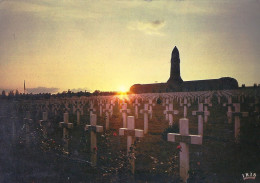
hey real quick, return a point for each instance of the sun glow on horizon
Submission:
(122, 93)
(122, 89)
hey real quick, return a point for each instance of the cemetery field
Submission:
(50, 151)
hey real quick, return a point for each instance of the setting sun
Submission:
(123, 89)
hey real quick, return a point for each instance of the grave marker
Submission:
(185, 104)
(184, 138)
(93, 128)
(166, 108)
(131, 132)
(66, 126)
(171, 112)
(145, 111)
(100, 103)
(44, 123)
(229, 105)
(206, 113)
(135, 105)
(150, 107)
(200, 113)
(238, 115)
(107, 111)
(124, 112)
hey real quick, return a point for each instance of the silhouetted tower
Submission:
(24, 87)
(175, 76)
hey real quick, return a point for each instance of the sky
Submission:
(109, 45)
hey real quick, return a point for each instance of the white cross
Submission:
(135, 105)
(185, 104)
(94, 129)
(200, 113)
(238, 115)
(55, 109)
(75, 106)
(166, 108)
(184, 138)
(107, 111)
(112, 104)
(91, 108)
(44, 122)
(67, 108)
(81, 108)
(150, 107)
(229, 105)
(78, 117)
(131, 132)
(124, 112)
(171, 112)
(66, 125)
(78, 112)
(100, 103)
(206, 105)
(145, 111)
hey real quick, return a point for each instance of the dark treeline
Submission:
(21, 96)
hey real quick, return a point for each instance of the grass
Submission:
(218, 159)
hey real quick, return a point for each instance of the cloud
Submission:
(152, 27)
(52, 10)
(42, 90)
(75, 90)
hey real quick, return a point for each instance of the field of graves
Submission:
(208, 136)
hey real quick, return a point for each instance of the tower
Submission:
(175, 77)
(24, 87)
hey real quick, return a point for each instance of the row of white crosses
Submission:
(127, 122)
(237, 115)
(130, 132)
(184, 138)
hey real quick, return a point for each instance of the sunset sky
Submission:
(56, 45)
